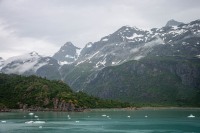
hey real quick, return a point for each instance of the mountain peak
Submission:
(33, 53)
(173, 22)
(68, 44)
(67, 53)
(128, 28)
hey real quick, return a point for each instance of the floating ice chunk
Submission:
(3, 121)
(35, 122)
(108, 116)
(145, 116)
(29, 122)
(129, 116)
(36, 116)
(191, 116)
(77, 121)
(69, 117)
(40, 126)
(39, 122)
(104, 115)
(31, 114)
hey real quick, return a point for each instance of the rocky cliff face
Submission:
(169, 80)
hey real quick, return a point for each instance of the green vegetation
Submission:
(35, 92)
(151, 81)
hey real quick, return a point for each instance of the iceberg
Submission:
(191, 116)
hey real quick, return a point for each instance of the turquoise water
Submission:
(140, 121)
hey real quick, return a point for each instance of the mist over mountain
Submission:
(32, 64)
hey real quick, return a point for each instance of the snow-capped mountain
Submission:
(173, 22)
(31, 64)
(117, 48)
(67, 54)
(131, 43)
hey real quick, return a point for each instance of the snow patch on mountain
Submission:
(64, 63)
(88, 45)
(135, 35)
(138, 57)
(105, 39)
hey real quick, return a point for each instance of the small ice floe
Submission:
(36, 116)
(39, 122)
(40, 126)
(31, 114)
(145, 116)
(35, 122)
(129, 116)
(29, 122)
(108, 116)
(103, 115)
(68, 117)
(191, 116)
(3, 121)
(24, 116)
(77, 121)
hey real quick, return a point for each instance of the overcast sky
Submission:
(45, 25)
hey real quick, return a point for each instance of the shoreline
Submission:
(109, 109)
(145, 108)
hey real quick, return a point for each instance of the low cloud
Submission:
(48, 24)
(12, 44)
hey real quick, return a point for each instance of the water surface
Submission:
(110, 121)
